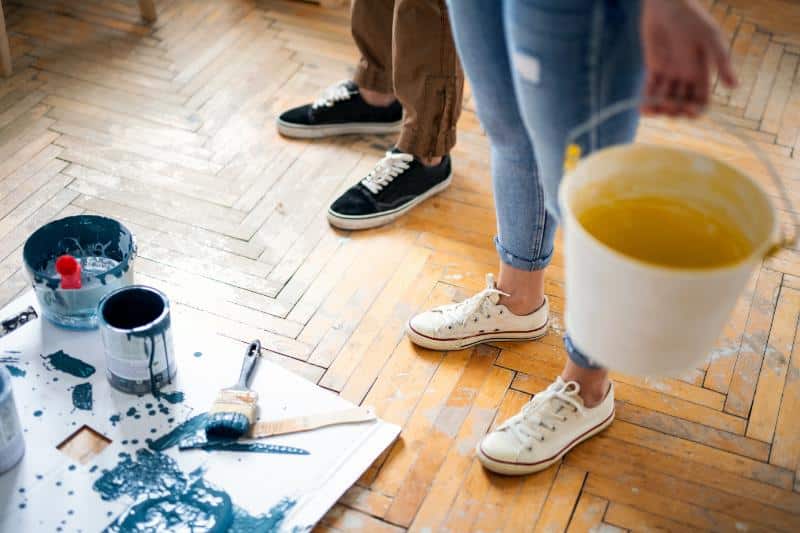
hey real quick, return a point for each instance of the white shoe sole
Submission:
(356, 222)
(300, 131)
(459, 344)
(521, 469)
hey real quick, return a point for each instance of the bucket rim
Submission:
(756, 256)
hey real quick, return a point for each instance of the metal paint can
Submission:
(12, 444)
(135, 325)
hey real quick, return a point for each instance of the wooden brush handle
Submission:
(249, 363)
(306, 423)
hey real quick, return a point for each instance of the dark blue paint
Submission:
(37, 413)
(66, 363)
(193, 430)
(82, 396)
(173, 397)
(114, 419)
(198, 354)
(167, 499)
(16, 371)
(71, 467)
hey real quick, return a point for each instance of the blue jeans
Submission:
(538, 69)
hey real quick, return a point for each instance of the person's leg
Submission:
(562, 78)
(570, 58)
(365, 104)
(371, 27)
(515, 309)
(428, 79)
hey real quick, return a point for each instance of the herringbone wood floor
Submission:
(170, 129)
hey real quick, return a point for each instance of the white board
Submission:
(48, 490)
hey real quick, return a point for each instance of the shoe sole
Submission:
(517, 469)
(355, 222)
(446, 345)
(299, 131)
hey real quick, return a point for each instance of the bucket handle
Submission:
(573, 155)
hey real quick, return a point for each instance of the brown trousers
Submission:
(407, 48)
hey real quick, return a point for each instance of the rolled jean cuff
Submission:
(521, 263)
(369, 78)
(579, 358)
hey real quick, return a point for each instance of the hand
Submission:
(682, 44)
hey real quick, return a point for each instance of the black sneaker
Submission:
(339, 111)
(396, 184)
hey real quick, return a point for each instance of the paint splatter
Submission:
(230, 445)
(131, 412)
(114, 419)
(66, 363)
(16, 371)
(198, 354)
(82, 396)
(37, 413)
(173, 397)
(166, 499)
(193, 432)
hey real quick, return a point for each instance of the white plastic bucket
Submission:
(641, 318)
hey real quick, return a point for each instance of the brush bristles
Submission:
(232, 413)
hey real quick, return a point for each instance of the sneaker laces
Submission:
(544, 411)
(335, 93)
(472, 308)
(386, 170)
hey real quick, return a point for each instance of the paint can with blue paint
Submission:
(100, 251)
(12, 444)
(135, 324)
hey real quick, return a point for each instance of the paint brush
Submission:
(235, 407)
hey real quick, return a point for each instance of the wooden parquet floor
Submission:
(170, 129)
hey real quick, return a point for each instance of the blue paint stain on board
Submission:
(82, 396)
(37, 413)
(166, 499)
(173, 397)
(198, 354)
(114, 419)
(193, 430)
(16, 371)
(66, 363)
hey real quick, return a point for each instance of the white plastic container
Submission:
(647, 319)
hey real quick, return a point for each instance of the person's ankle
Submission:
(377, 99)
(431, 161)
(521, 305)
(593, 391)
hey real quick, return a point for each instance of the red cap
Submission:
(70, 270)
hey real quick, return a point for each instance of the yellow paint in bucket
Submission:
(659, 244)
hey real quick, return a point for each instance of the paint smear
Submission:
(193, 430)
(71, 365)
(15, 371)
(166, 499)
(114, 419)
(82, 396)
(172, 397)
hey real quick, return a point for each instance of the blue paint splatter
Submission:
(37, 413)
(131, 411)
(71, 467)
(166, 499)
(173, 397)
(198, 354)
(193, 430)
(114, 419)
(16, 371)
(66, 363)
(82, 396)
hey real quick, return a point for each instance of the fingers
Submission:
(717, 51)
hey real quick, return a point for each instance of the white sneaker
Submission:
(550, 425)
(475, 320)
